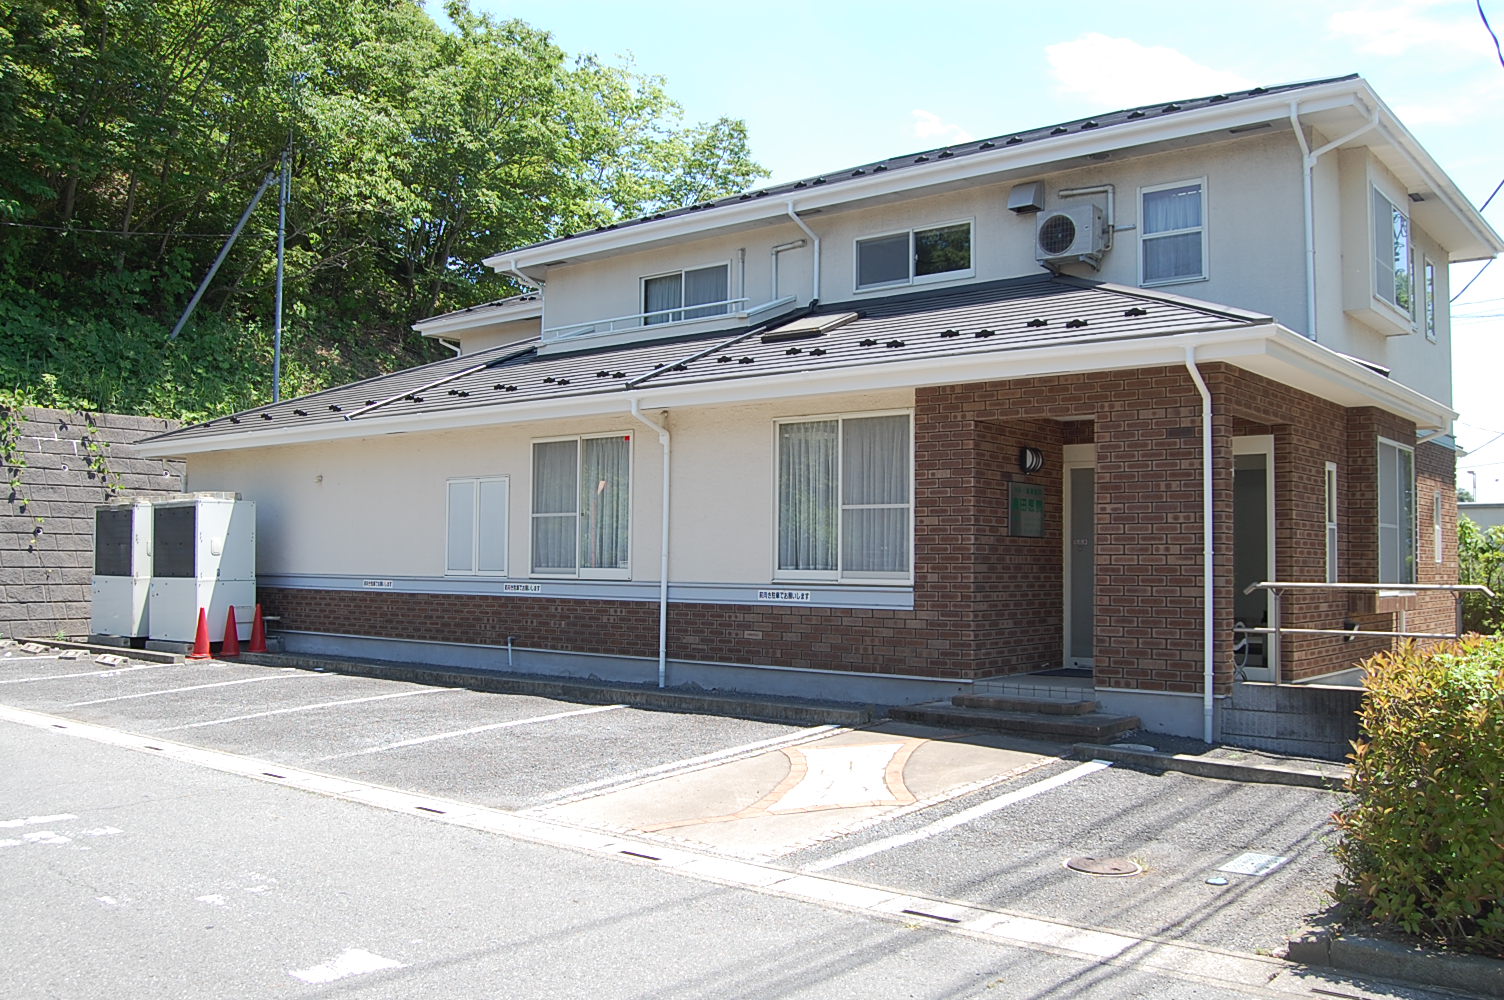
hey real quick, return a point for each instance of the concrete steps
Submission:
(1077, 721)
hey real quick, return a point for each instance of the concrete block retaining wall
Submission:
(47, 567)
(1308, 720)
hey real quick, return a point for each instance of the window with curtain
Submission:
(845, 499)
(670, 298)
(476, 541)
(1172, 233)
(582, 506)
(914, 256)
(1392, 280)
(1396, 513)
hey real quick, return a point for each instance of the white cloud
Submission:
(1394, 28)
(1120, 73)
(930, 126)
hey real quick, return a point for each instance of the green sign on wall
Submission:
(1026, 510)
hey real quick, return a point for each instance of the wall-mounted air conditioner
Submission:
(1071, 235)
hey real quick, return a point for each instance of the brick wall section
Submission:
(1435, 472)
(45, 575)
(988, 603)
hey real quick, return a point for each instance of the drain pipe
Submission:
(815, 243)
(663, 439)
(1208, 577)
(1309, 157)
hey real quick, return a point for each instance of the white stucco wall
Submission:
(377, 506)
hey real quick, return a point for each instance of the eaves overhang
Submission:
(491, 314)
(1264, 348)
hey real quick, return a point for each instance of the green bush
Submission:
(1480, 553)
(1422, 845)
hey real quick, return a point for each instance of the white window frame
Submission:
(838, 575)
(913, 279)
(580, 572)
(1400, 503)
(1381, 267)
(476, 522)
(1332, 517)
(1436, 532)
(723, 309)
(1203, 230)
(1428, 298)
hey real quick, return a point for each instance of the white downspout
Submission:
(815, 243)
(510, 268)
(1307, 175)
(663, 439)
(1208, 576)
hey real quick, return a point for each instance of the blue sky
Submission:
(826, 85)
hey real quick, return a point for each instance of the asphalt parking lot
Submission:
(953, 815)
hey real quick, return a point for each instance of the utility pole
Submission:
(286, 190)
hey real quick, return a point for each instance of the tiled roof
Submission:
(970, 148)
(984, 319)
(510, 300)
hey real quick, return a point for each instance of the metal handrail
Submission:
(633, 321)
(1275, 630)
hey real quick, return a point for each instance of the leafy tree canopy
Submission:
(134, 132)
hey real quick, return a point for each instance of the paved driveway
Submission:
(945, 814)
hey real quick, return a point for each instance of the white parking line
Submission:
(26, 659)
(467, 732)
(90, 673)
(958, 819)
(195, 687)
(351, 962)
(306, 708)
(676, 767)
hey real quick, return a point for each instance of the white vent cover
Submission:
(1072, 234)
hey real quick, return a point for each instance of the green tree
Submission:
(1480, 556)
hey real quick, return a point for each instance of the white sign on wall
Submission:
(786, 596)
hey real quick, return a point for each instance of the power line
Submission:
(110, 232)
(1490, 30)
(1475, 277)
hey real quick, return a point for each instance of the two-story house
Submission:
(1046, 401)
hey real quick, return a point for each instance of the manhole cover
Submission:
(1113, 867)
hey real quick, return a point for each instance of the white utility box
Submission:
(122, 571)
(203, 556)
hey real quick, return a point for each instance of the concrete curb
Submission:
(1212, 768)
(1393, 960)
(148, 655)
(588, 692)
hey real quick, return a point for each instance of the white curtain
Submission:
(662, 293)
(1167, 211)
(555, 494)
(605, 493)
(807, 499)
(875, 502)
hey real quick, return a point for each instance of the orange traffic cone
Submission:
(201, 639)
(231, 645)
(258, 634)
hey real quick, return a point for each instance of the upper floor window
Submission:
(1172, 233)
(477, 526)
(582, 506)
(1396, 513)
(669, 298)
(845, 498)
(1428, 305)
(1392, 278)
(914, 256)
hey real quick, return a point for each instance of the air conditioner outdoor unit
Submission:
(1069, 235)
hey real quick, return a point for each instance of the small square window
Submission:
(476, 540)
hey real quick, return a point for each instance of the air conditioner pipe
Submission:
(1208, 577)
(664, 441)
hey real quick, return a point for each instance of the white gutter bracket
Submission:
(1208, 576)
(665, 441)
